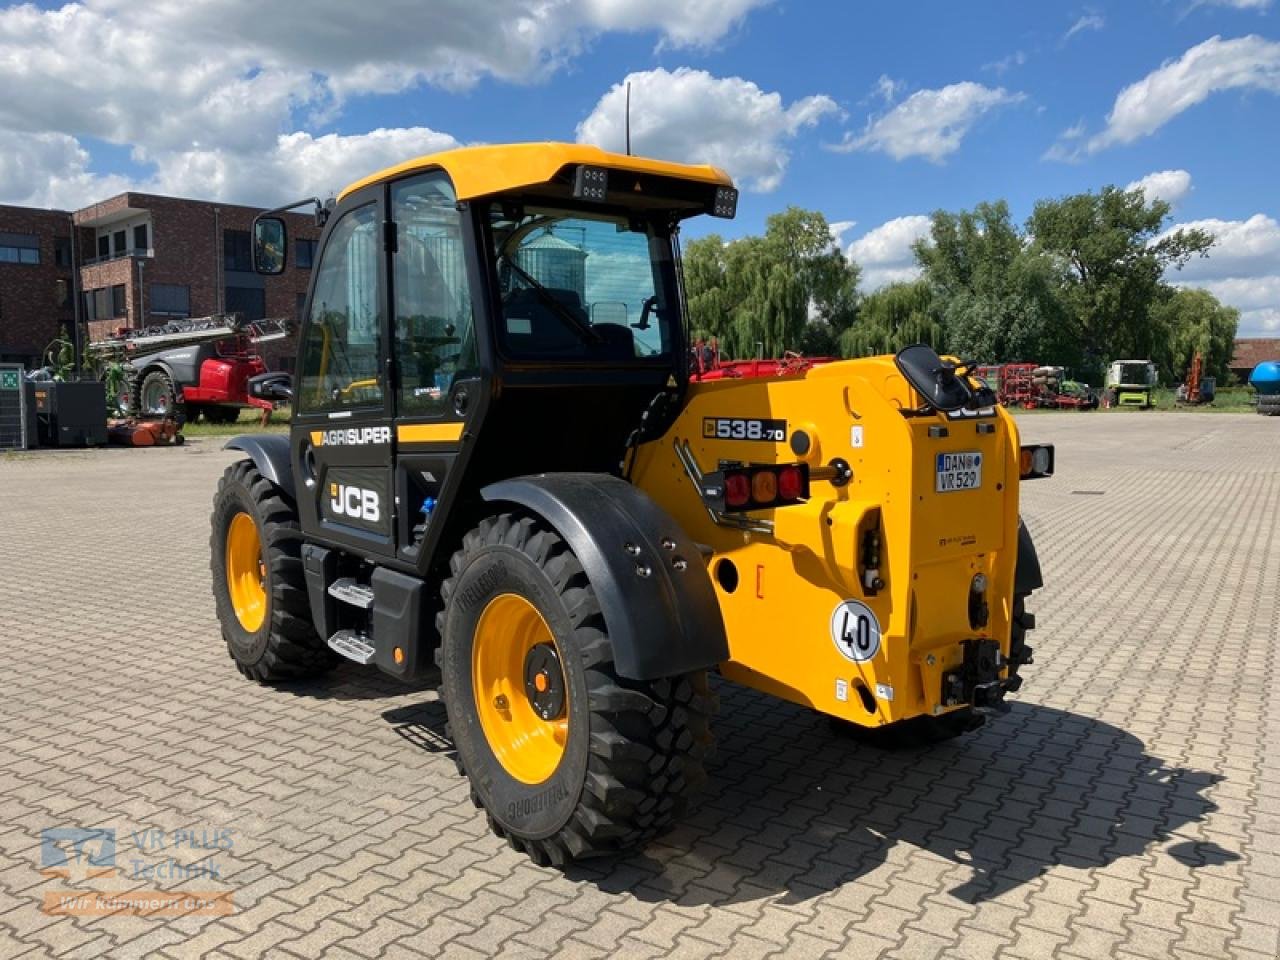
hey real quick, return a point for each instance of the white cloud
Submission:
(930, 123)
(1090, 21)
(217, 85)
(1171, 186)
(839, 228)
(887, 89)
(1242, 269)
(51, 170)
(1237, 4)
(1005, 64)
(692, 116)
(1211, 67)
(885, 253)
(298, 165)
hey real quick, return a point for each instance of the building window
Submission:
(140, 244)
(306, 253)
(118, 241)
(301, 306)
(104, 246)
(19, 248)
(102, 304)
(236, 251)
(117, 301)
(170, 300)
(62, 251)
(249, 302)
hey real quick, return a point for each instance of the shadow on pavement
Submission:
(793, 808)
(349, 681)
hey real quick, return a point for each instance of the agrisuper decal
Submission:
(356, 497)
(351, 437)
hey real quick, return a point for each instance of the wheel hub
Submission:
(519, 688)
(246, 572)
(544, 681)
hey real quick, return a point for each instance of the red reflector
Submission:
(790, 483)
(737, 490)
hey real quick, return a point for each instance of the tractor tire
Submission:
(568, 759)
(927, 731)
(259, 588)
(1269, 405)
(156, 396)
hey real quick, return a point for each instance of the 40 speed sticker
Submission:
(855, 631)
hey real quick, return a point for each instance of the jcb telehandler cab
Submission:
(497, 462)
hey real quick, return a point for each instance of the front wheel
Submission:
(259, 588)
(567, 758)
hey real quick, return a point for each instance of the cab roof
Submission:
(482, 171)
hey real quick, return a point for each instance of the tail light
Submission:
(1036, 460)
(737, 491)
(756, 486)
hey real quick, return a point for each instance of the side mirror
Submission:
(270, 245)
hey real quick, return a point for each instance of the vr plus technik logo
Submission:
(79, 855)
(89, 853)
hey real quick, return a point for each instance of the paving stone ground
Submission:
(1128, 806)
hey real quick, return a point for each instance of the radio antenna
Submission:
(628, 124)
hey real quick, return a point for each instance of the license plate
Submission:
(958, 471)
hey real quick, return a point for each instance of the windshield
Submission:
(579, 286)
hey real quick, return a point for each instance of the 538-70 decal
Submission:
(744, 428)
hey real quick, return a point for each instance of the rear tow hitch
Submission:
(978, 681)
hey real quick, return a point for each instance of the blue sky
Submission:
(874, 114)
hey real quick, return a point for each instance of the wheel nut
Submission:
(500, 703)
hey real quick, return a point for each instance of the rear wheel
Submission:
(567, 758)
(258, 584)
(156, 395)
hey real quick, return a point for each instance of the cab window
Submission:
(580, 285)
(340, 354)
(435, 334)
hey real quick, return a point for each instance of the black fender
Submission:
(270, 454)
(1026, 575)
(653, 586)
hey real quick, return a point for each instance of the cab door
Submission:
(341, 438)
(436, 350)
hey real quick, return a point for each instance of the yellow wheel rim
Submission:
(517, 677)
(246, 572)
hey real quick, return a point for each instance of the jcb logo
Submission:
(346, 500)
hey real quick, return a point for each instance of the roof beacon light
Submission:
(591, 183)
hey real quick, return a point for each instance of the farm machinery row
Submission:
(1032, 386)
(204, 367)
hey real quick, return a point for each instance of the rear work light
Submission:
(756, 486)
(1036, 461)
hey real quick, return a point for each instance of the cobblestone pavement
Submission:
(1128, 806)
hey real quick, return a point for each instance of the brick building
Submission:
(36, 290)
(139, 260)
(1251, 351)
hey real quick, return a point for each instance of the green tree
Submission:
(760, 290)
(1191, 322)
(999, 300)
(894, 317)
(1114, 255)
